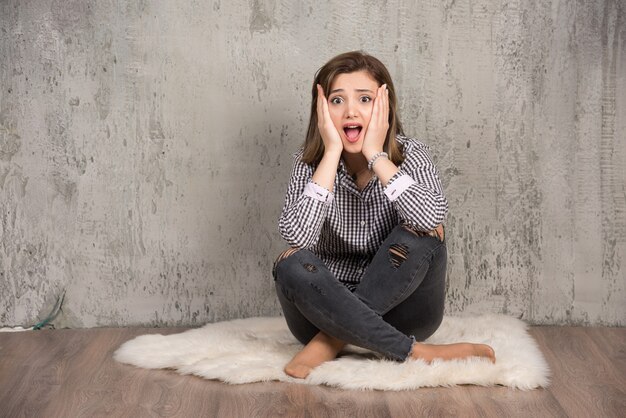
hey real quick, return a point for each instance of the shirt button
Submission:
(362, 223)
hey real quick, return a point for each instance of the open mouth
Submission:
(352, 131)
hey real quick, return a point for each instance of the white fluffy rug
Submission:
(256, 349)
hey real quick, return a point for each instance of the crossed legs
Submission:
(399, 301)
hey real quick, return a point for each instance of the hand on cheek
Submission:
(379, 124)
(330, 135)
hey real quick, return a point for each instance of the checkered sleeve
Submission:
(306, 206)
(415, 190)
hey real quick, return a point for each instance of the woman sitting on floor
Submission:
(363, 216)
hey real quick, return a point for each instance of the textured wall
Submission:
(145, 148)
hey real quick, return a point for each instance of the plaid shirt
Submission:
(345, 228)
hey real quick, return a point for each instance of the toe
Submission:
(298, 371)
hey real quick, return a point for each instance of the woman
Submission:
(363, 216)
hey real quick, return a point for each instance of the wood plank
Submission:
(432, 402)
(583, 382)
(72, 373)
(35, 380)
(611, 342)
(507, 402)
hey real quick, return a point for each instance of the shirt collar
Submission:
(345, 180)
(341, 168)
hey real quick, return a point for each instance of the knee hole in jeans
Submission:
(398, 254)
(286, 254)
(433, 233)
(282, 256)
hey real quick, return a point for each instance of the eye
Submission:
(366, 99)
(336, 100)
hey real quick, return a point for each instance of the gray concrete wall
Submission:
(145, 148)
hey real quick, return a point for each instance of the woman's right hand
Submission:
(330, 135)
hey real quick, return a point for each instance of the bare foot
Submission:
(321, 348)
(429, 352)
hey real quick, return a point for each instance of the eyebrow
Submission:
(358, 90)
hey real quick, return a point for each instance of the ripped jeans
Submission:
(399, 300)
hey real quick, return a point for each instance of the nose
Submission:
(351, 110)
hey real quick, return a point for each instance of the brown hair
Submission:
(350, 62)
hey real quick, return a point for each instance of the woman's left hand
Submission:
(379, 124)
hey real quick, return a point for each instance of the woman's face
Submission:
(350, 103)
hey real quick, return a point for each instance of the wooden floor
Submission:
(70, 373)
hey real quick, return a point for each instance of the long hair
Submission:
(350, 62)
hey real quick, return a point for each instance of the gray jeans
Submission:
(399, 300)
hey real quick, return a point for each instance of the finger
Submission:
(372, 121)
(376, 107)
(320, 106)
(381, 103)
(380, 99)
(385, 101)
(325, 107)
(386, 109)
(320, 94)
(321, 91)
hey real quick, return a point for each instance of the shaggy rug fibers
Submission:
(257, 349)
